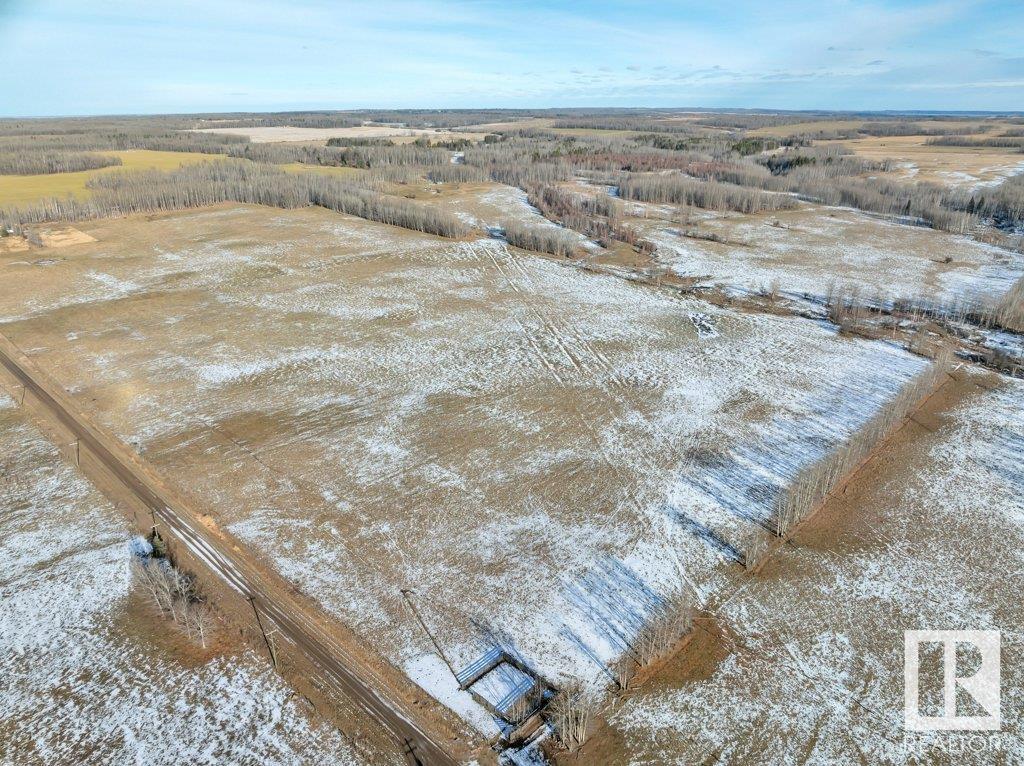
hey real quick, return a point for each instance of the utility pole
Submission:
(410, 753)
(416, 612)
(270, 649)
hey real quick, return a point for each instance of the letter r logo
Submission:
(982, 685)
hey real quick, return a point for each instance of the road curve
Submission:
(347, 675)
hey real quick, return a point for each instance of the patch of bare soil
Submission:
(710, 643)
(13, 244)
(55, 237)
(142, 620)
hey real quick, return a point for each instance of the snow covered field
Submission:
(811, 668)
(521, 443)
(492, 205)
(80, 682)
(814, 246)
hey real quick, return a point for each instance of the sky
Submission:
(64, 57)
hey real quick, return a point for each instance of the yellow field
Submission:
(840, 125)
(806, 127)
(20, 190)
(950, 165)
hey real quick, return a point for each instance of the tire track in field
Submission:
(620, 392)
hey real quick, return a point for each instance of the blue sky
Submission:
(116, 56)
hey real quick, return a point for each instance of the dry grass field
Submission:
(19, 190)
(958, 166)
(454, 446)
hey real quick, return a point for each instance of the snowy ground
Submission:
(489, 206)
(77, 684)
(814, 247)
(813, 672)
(542, 454)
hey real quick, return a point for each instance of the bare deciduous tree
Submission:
(815, 481)
(572, 713)
(175, 595)
(683, 190)
(544, 239)
(45, 162)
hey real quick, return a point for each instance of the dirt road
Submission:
(295, 620)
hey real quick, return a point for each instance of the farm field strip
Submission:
(814, 247)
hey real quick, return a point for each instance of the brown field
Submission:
(284, 133)
(341, 172)
(540, 454)
(952, 165)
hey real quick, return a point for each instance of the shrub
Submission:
(176, 595)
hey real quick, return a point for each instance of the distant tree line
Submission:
(1002, 142)
(172, 141)
(900, 128)
(627, 123)
(711, 195)
(45, 162)
(358, 141)
(342, 156)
